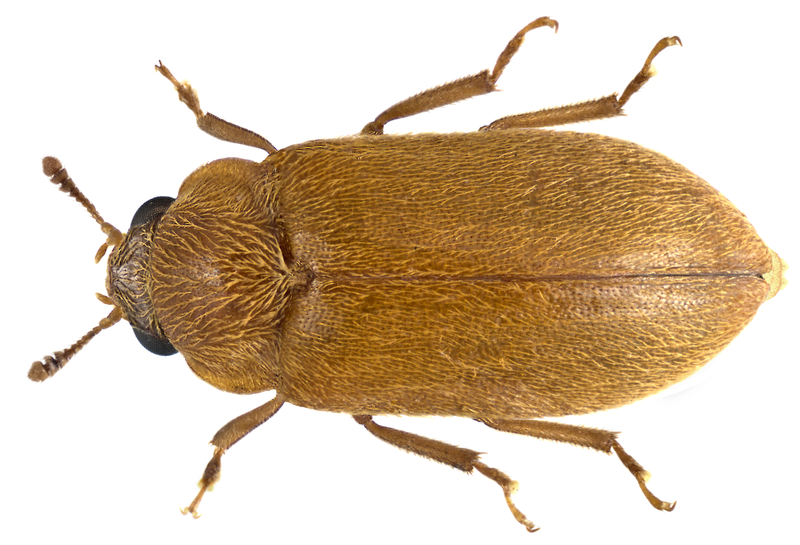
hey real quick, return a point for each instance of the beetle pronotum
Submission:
(545, 280)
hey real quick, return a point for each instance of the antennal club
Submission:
(53, 168)
(42, 370)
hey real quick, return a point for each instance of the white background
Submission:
(109, 449)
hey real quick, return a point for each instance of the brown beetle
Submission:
(393, 275)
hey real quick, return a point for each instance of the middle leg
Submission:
(468, 87)
(459, 458)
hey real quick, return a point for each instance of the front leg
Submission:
(211, 124)
(224, 439)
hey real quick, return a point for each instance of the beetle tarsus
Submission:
(647, 70)
(515, 43)
(210, 476)
(186, 92)
(509, 487)
(641, 475)
(193, 506)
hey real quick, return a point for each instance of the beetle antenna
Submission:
(49, 366)
(53, 168)
(42, 370)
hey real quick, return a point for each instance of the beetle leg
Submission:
(211, 124)
(602, 440)
(460, 458)
(647, 70)
(468, 87)
(601, 108)
(224, 439)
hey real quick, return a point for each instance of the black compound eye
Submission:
(160, 347)
(150, 210)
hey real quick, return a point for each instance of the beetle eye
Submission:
(150, 210)
(159, 347)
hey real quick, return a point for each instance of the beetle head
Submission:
(127, 275)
